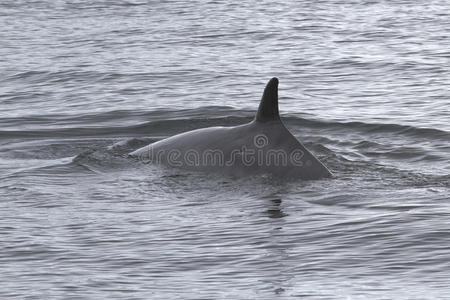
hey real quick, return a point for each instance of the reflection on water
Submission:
(274, 211)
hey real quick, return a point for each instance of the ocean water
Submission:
(363, 84)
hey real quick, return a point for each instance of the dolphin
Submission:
(263, 146)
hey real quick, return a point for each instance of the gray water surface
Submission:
(363, 84)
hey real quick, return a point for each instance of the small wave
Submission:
(399, 129)
(167, 122)
(41, 77)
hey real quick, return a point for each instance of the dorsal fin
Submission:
(268, 107)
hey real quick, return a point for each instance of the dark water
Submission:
(364, 84)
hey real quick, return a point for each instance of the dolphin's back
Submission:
(248, 149)
(264, 145)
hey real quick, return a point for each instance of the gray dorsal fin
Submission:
(268, 107)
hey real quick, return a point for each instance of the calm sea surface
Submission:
(363, 84)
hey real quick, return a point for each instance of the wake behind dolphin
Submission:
(263, 146)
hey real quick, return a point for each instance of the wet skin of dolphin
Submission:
(263, 146)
